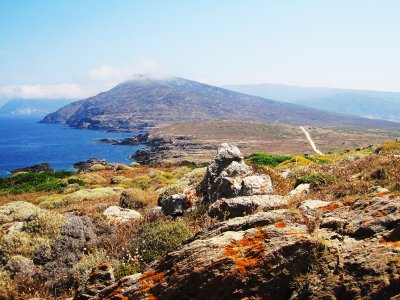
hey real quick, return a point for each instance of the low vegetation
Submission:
(262, 159)
(33, 182)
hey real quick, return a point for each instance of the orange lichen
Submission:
(383, 194)
(191, 195)
(390, 243)
(280, 224)
(247, 252)
(348, 201)
(149, 280)
(381, 213)
(330, 206)
(368, 220)
(396, 196)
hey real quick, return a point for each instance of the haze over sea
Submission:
(25, 142)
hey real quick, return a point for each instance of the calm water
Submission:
(24, 142)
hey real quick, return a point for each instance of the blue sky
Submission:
(74, 48)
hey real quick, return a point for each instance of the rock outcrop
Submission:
(86, 166)
(282, 254)
(227, 176)
(43, 167)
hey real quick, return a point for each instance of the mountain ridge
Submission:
(145, 102)
(365, 103)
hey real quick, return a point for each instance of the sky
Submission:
(76, 48)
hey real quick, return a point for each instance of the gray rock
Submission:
(119, 214)
(256, 185)
(175, 205)
(228, 163)
(245, 205)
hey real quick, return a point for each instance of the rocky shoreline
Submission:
(161, 149)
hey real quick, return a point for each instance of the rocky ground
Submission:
(255, 228)
(198, 141)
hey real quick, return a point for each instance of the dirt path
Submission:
(311, 141)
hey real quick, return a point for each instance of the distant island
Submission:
(24, 107)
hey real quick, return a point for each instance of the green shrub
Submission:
(263, 159)
(76, 180)
(33, 182)
(316, 179)
(158, 238)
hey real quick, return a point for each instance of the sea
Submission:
(25, 142)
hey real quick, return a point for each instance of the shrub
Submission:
(97, 167)
(158, 238)
(136, 198)
(76, 181)
(316, 179)
(390, 147)
(263, 159)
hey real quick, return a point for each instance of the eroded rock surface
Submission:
(348, 251)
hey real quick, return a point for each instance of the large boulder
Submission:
(175, 205)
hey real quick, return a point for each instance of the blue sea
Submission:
(25, 142)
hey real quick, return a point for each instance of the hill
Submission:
(32, 106)
(364, 103)
(146, 102)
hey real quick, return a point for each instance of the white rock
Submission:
(256, 185)
(301, 189)
(119, 214)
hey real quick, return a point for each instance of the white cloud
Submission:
(65, 90)
(100, 79)
(115, 74)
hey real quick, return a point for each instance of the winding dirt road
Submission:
(311, 141)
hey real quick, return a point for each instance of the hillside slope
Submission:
(145, 102)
